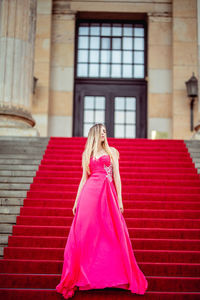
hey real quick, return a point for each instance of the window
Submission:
(110, 50)
(94, 112)
(125, 117)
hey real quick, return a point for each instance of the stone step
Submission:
(9, 218)
(22, 156)
(30, 150)
(26, 143)
(20, 161)
(15, 179)
(193, 147)
(9, 210)
(3, 243)
(4, 239)
(1, 252)
(11, 201)
(196, 154)
(6, 228)
(192, 141)
(197, 159)
(23, 138)
(17, 173)
(21, 145)
(12, 194)
(19, 167)
(14, 186)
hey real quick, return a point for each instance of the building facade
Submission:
(123, 63)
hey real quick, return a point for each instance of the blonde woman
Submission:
(98, 253)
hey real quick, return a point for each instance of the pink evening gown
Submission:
(98, 253)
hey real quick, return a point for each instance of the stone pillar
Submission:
(42, 65)
(17, 36)
(185, 61)
(62, 71)
(160, 75)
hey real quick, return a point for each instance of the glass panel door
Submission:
(122, 108)
(93, 112)
(125, 117)
(110, 77)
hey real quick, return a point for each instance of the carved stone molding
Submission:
(17, 113)
(160, 17)
(61, 7)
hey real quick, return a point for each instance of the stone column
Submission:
(17, 36)
(160, 75)
(62, 71)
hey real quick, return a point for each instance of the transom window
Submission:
(110, 50)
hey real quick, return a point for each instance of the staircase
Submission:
(161, 197)
(19, 160)
(194, 150)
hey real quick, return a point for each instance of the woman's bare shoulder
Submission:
(115, 151)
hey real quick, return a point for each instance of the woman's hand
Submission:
(120, 203)
(121, 207)
(74, 208)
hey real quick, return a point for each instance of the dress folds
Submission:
(98, 252)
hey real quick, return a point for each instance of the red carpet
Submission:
(161, 197)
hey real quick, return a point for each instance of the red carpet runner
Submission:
(161, 196)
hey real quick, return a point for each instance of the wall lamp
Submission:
(192, 91)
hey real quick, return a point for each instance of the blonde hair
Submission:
(91, 145)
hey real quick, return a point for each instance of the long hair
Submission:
(91, 145)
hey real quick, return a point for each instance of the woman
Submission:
(98, 252)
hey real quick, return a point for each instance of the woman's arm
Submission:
(83, 179)
(116, 174)
(82, 182)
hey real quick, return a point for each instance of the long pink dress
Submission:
(98, 252)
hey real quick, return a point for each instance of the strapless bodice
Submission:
(101, 165)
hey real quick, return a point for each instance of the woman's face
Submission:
(103, 133)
